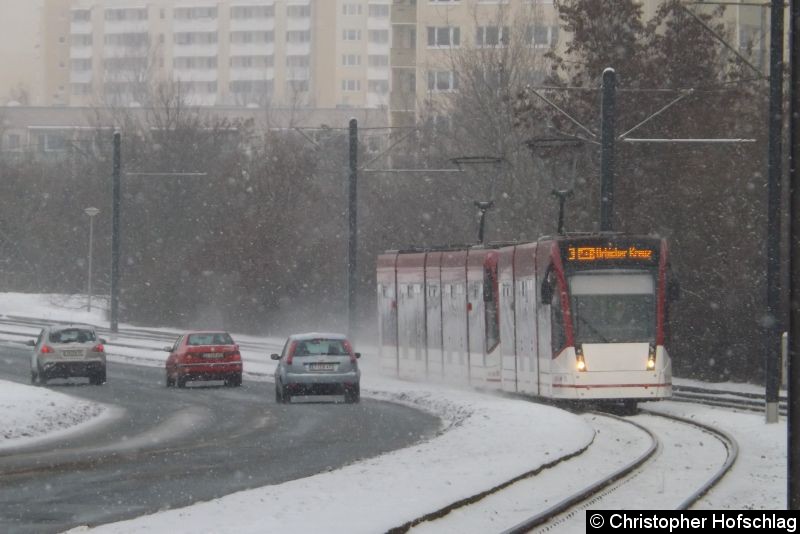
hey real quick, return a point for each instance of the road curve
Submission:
(172, 447)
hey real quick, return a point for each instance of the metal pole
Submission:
(115, 204)
(607, 127)
(352, 249)
(793, 420)
(91, 238)
(774, 319)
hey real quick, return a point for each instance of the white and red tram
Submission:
(581, 316)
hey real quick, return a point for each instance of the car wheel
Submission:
(98, 378)
(180, 381)
(170, 381)
(233, 381)
(285, 395)
(278, 398)
(34, 377)
(41, 376)
(352, 395)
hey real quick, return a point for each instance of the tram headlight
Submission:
(580, 364)
(651, 358)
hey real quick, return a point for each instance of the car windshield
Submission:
(72, 335)
(315, 347)
(220, 338)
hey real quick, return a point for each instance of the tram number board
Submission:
(589, 254)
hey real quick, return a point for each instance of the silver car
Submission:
(68, 351)
(317, 364)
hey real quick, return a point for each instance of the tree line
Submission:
(257, 241)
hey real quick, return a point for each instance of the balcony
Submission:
(402, 101)
(192, 50)
(298, 49)
(80, 27)
(403, 57)
(298, 24)
(125, 26)
(194, 25)
(252, 49)
(80, 52)
(124, 51)
(241, 74)
(378, 73)
(252, 25)
(80, 76)
(404, 14)
(194, 75)
(378, 24)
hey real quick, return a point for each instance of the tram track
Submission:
(601, 493)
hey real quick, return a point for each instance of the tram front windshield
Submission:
(613, 307)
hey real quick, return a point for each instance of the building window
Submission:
(351, 35)
(380, 87)
(193, 13)
(252, 37)
(351, 9)
(542, 36)
(351, 85)
(81, 15)
(81, 64)
(81, 89)
(127, 39)
(379, 36)
(187, 38)
(252, 61)
(125, 14)
(252, 87)
(351, 60)
(378, 61)
(444, 36)
(298, 36)
(200, 87)
(298, 11)
(492, 35)
(195, 62)
(81, 40)
(298, 61)
(298, 86)
(378, 10)
(442, 80)
(252, 12)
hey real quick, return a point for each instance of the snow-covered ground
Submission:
(485, 440)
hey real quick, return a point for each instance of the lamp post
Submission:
(91, 212)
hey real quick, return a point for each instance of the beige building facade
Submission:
(378, 54)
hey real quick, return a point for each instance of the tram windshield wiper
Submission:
(591, 327)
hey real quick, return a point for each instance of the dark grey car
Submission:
(321, 364)
(66, 351)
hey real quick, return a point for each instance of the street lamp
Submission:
(91, 212)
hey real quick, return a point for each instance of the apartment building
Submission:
(306, 53)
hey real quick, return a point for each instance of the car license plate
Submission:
(322, 366)
(73, 354)
(212, 355)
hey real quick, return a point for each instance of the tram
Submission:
(577, 316)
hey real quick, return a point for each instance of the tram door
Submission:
(433, 314)
(526, 324)
(454, 316)
(508, 338)
(387, 313)
(411, 315)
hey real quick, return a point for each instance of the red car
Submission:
(204, 355)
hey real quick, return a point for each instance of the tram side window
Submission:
(552, 296)
(491, 304)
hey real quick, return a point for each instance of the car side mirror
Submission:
(30, 343)
(275, 356)
(358, 354)
(167, 349)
